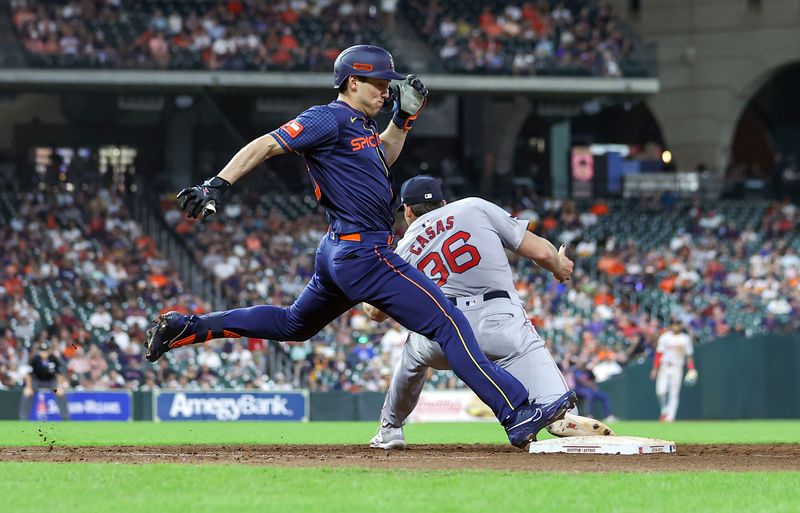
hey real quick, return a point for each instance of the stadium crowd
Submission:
(726, 268)
(627, 287)
(523, 37)
(194, 34)
(78, 272)
(89, 281)
(508, 37)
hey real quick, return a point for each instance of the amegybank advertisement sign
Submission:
(230, 406)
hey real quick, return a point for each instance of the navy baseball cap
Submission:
(420, 189)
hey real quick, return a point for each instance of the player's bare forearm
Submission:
(374, 313)
(393, 139)
(545, 255)
(256, 152)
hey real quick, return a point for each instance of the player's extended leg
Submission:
(400, 290)
(674, 393)
(408, 296)
(535, 368)
(661, 392)
(504, 329)
(318, 304)
(419, 354)
(539, 373)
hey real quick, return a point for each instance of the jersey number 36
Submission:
(455, 259)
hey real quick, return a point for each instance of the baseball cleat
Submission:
(388, 438)
(171, 330)
(527, 420)
(576, 425)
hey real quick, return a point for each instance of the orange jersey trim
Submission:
(275, 134)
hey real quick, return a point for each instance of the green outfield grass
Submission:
(167, 488)
(141, 433)
(87, 488)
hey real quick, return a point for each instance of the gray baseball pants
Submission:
(504, 334)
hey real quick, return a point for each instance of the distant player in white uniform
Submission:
(674, 348)
(462, 247)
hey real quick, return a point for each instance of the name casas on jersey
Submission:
(430, 233)
(462, 246)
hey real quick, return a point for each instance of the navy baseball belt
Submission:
(495, 294)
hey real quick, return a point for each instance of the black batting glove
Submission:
(410, 97)
(203, 199)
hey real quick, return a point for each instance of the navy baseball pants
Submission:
(349, 272)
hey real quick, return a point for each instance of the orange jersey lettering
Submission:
(359, 143)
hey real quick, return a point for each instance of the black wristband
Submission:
(218, 182)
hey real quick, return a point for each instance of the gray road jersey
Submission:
(461, 246)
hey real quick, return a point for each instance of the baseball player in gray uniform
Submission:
(462, 246)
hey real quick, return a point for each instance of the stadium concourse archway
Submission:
(700, 126)
(764, 147)
(713, 58)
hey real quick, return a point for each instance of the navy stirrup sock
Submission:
(208, 327)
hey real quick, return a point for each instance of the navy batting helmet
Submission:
(365, 61)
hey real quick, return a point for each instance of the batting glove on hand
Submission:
(205, 198)
(410, 97)
(691, 377)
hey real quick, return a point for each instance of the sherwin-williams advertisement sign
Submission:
(88, 405)
(231, 406)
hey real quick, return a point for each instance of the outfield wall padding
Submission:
(143, 405)
(740, 378)
(9, 404)
(340, 405)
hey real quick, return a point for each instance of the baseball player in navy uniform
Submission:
(348, 160)
(47, 373)
(462, 247)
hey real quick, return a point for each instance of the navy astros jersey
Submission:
(355, 263)
(344, 155)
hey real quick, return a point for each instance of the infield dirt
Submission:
(689, 458)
